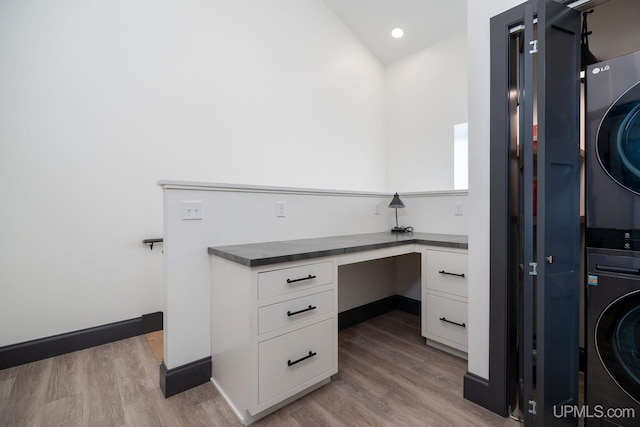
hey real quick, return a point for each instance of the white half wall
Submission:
(234, 214)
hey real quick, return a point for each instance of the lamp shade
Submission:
(396, 202)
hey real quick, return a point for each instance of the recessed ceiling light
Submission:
(397, 33)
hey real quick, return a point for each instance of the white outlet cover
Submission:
(281, 208)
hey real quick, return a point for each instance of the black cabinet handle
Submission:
(309, 277)
(293, 313)
(311, 354)
(444, 319)
(451, 274)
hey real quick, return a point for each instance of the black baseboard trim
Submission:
(31, 351)
(368, 311)
(477, 390)
(409, 305)
(182, 378)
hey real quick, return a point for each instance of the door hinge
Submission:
(533, 407)
(534, 269)
(534, 46)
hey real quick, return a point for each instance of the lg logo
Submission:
(599, 69)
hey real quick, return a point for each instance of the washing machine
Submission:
(612, 380)
(612, 161)
(612, 201)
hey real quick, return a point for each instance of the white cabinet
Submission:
(293, 311)
(295, 358)
(273, 332)
(444, 299)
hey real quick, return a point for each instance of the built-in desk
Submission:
(274, 310)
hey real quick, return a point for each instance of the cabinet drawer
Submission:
(437, 310)
(278, 282)
(295, 358)
(447, 272)
(294, 311)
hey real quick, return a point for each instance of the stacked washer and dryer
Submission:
(612, 199)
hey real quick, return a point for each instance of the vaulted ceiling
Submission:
(424, 22)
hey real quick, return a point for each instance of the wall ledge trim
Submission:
(243, 188)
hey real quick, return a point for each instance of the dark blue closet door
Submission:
(558, 250)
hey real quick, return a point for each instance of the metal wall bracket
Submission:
(150, 242)
(534, 48)
(533, 404)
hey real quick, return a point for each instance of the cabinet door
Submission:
(446, 272)
(446, 321)
(295, 361)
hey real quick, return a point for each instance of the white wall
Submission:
(609, 41)
(101, 99)
(479, 14)
(427, 96)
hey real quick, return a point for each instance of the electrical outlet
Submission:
(376, 208)
(191, 209)
(281, 208)
(457, 208)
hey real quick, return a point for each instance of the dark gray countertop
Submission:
(257, 254)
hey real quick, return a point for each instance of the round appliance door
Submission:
(618, 140)
(618, 342)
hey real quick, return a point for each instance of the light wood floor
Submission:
(387, 377)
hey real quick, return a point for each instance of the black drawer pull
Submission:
(444, 319)
(309, 277)
(311, 354)
(451, 274)
(293, 313)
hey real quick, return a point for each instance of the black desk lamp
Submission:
(396, 204)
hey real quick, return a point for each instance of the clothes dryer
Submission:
(612, 381)
(612, 182)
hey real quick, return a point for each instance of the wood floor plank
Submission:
(129, 360)
(213, 410)
(62, 412)
(387, 376)
(405, 390)
(102, 404)
(155, 340)
(23, 406)
(64, 379)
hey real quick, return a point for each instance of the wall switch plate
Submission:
(376, 208)
(191, 209)
(457, 208)
(281, 208)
